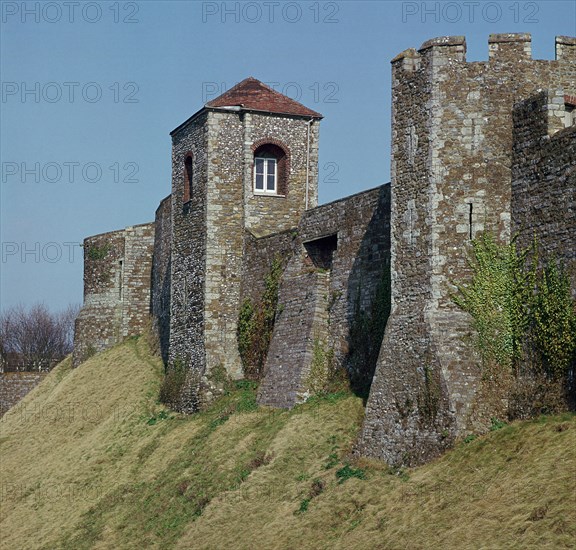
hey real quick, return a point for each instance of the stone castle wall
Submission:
(451, 179)
(225, 241)
(259, 253)
(340, 257)
(14, 386)
(212, 231)
(464, 161)
(188, 252)
(117, 287)
(544, 176)
(97, 326)
(233, 207)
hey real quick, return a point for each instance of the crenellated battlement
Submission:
(502, 48)
(509, 46)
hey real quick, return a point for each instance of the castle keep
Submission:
(476, 146)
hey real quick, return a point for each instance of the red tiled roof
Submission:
(253, 94)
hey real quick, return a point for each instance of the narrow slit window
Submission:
(120, 276)
(188, 179)
(470, 218)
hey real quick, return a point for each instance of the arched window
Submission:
(187, 179)
(270, 170)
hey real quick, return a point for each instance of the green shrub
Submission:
(304, 505)
(348, 472)
(496, 424)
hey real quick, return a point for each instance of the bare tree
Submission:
(35, 338)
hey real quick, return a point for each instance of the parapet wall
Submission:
(117, 275)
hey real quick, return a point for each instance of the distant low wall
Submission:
(14, 386)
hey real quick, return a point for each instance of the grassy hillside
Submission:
(91, 460)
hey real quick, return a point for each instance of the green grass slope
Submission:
(91, 460)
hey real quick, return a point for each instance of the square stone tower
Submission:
(452, 150)
(246, 162)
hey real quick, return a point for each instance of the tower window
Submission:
(187, 179)
(270, 170)
(265, 174)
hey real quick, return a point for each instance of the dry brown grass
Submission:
(91, 460)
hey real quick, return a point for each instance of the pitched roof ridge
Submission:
(248, 93)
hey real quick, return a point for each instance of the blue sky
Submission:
(91, 90)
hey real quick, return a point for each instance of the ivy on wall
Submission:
(495, 298)
(524, 318)
(256, 323)
(321, 373)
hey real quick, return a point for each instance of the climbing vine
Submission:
(553, 322)
(521, 312)
(321, 367)
(256, 323)
(494, 296)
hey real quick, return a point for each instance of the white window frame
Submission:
(569, 115)
(265, 190)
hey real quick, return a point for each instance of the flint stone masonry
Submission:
(14, 386)
(188, 253)
(117, 287)
(161, 275)
(452, 131)
(212, 231)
